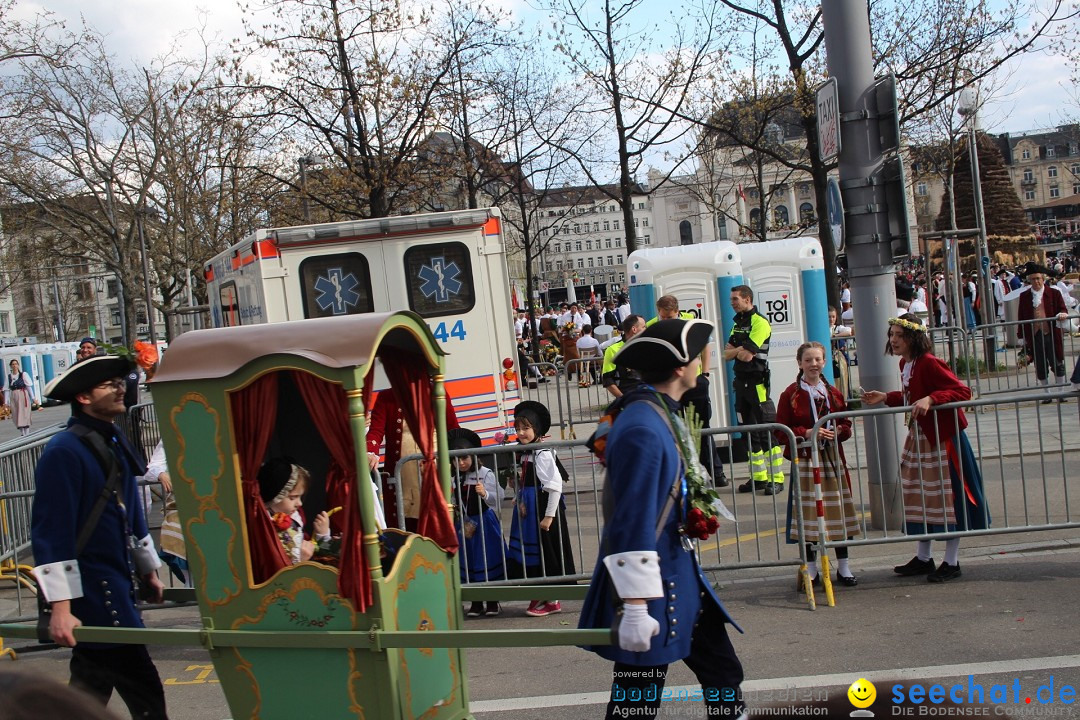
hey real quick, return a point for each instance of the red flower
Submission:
(282, 521)
(695, 515)
(712, 524)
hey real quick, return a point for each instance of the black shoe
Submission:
(772, 488)
(1047, 401)
(721, 480)
(847, 580)
(915, 566)
(944, 573)
(747, 486)
(493, 609)
(475, 610)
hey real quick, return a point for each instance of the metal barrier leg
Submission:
(7, 651)
(21, 574)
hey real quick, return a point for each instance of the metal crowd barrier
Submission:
(756, 538)
(984, 357)
(17, 464)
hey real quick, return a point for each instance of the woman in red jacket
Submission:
(799, 407)
(941, 480)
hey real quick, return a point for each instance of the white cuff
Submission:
(145, 556)
(636, 574)
(552, 503)
(59, 580)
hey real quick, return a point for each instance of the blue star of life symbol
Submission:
(440, 280)
(336, 291)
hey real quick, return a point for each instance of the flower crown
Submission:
(917, 327)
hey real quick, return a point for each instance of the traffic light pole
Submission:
(871, 271)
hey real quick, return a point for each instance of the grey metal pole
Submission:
(870, 265)
(302, 162)
(985, 289)
(151, 330)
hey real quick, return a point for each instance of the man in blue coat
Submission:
(94, 585)
(647, 584)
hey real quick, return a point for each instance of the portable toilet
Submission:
(787, 278)
(700, 277)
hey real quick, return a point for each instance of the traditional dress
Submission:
(479, 530)
(799, 407)
(1043, 340)
(533, 552)
(941, 480)
(20, 398)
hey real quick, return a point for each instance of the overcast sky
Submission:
(1037, 95)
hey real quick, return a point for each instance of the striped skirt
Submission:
(841, 521)
(940, 483)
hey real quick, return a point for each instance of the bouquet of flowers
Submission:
(701, 520)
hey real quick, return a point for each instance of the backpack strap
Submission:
(105, 457)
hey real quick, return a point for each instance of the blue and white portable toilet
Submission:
(788, 280)
(700, 277)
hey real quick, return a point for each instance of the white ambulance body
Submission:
(449, 267)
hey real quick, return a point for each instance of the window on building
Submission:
(614, 224)
(618, 242)
(607, 225)
(577, 229)
(637, 222)
(618, 259)
(1074, 148)
(806, 213)
(804, 189)
(686, 233)
(548, 266)
(557, 248)
(1025, 154)
(565, 229)
(645, 222)
(641, 206)
(580, 262)
(607, 243)
(753, 193)
(1029, 194)
(610, 260)
(1075, 169)
(1055, 191)
(1076, 188)
(622, 277)
(590, 263)
(558, 264)
(588, 244)
(5, 323)
(780, 215)
(577, 245)
(755, 219)
(1051, 171)
(646, 240)
(921, 188)
(596, 226)
(1029, 175)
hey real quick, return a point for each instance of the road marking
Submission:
(764, 534)
(1009, 667)
(202, 677)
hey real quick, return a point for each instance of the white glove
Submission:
(637, 628)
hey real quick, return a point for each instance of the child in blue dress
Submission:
(479, 497)
(539, 536)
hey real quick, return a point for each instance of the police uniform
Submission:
(752, 331)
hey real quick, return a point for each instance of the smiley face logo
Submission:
(862, 693)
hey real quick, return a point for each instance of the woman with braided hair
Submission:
(942, 484)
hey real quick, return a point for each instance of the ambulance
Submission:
(448, 267)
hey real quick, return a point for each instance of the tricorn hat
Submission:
(666, 344)
(84, 375)
(1033, 267)
(536, 414)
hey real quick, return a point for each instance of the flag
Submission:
(742, 193)
(514, 296)
(592, 295)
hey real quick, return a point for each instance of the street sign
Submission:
(834, 206)
(828, 120)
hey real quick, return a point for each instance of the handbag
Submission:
(104, 456)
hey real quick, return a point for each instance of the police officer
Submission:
(748, 347)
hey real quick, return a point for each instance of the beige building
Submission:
(1044, 166)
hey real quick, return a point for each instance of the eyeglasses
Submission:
(116, 385)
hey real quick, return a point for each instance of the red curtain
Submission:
(411, 385)
(329, 409)
(254, 412)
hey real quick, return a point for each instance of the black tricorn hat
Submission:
(905, 291)
(84, 375)
(537, 415)
(665, 345)
(1033, 267)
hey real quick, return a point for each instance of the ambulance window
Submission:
(230, 305)
(336, 285)
(440, 279)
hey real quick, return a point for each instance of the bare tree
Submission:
(639, 95)
(356, 82)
